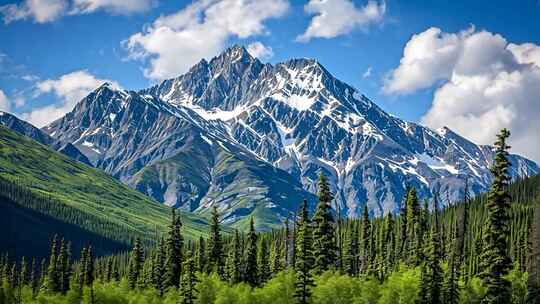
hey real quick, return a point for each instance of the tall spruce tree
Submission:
(277, 258)
(451, 286)
(189, 281)
(53, 273)
(159, 268)
(460, 258)
(34, 278)
(304, 257)
(435, 272)
(403, 254)
(215, 256)
(64, 266)
(350, 265)
(88, 267)
(136, 261)
(263, 262)
(496, 262)
(366, 241)
(234, 272)
(324, 246)
(413, 244)
(390, 241)
(250, 275)
(173, 257)
(201, 255)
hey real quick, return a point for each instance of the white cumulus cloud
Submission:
(4, 102)
(121, 7)
(259, 50)
(70, 88)
(175, 42)
(483, 84)
(43, 11)
(337, 17)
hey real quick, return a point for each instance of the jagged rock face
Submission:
(235, 123)
(27, 129)
(174, 155)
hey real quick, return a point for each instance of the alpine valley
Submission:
(252, 138)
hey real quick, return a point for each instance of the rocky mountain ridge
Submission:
(245, 135)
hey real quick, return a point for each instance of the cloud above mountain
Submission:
(333, 18)
(43, 11)
(175, 42)
(259, 50)
(4, 102)
(483, 83)
(69, 88)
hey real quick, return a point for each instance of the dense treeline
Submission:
(19, 193)
(481, 250)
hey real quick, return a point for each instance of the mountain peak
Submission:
(236, 53)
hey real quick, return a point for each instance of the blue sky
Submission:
(54, 51)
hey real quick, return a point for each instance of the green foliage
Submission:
(402, 286)
(75, 193)
(136, 261)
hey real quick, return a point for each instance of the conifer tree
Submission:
(304, 257)
(79, 274)
(324, 246)
(277, 259)
(215, 257)
(136, 261)
(64, 266)
(234, 272)
(423, 294)
(451, 286)
(159, 268)
(250, 275)
(390, 240)
(366, 240)
(496, 262)
(460, 259)
(34, 278)
(53, 275)
(263, 262)
(372, 258)
(189, 281)
(88, 267)
(201, 255)
(435, 272)
(173, 259)
(109, 270)
(350, 265)
(413, 244)
(403, 227)
(24, 275)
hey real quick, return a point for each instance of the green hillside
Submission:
(32, 175)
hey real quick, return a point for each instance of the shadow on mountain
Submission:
(27, 232)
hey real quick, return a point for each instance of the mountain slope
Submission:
(177, 157)
(291, 120)
(84, 190)
(24, 128)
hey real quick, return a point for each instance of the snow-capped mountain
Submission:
(271, 127)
